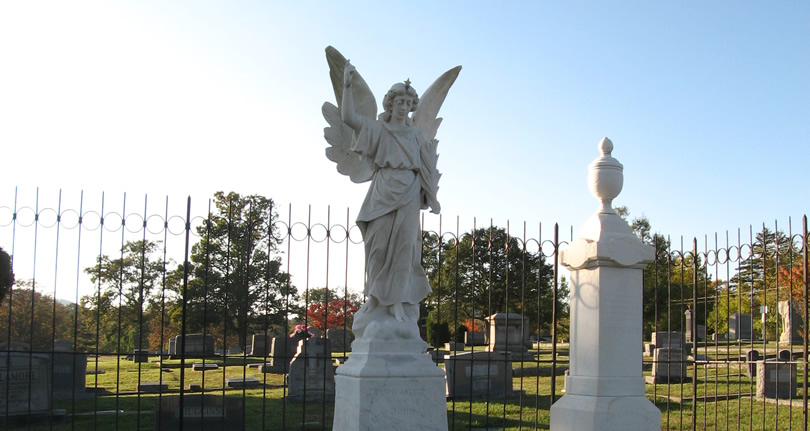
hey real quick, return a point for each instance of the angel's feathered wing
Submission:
(426, 119)
(340, 136)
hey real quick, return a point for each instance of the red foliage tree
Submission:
(334, 314)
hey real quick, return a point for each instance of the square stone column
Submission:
(604, 390)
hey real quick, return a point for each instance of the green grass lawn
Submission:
(723, 401)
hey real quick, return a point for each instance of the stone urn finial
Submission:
(605, 177)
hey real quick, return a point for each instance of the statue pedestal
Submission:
(390, 385)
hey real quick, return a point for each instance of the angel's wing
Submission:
(338, 134)
(425, 117)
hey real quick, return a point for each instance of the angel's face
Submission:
(402, 106)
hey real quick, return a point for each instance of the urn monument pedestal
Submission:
(604, 390)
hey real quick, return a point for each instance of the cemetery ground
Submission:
(724, 395)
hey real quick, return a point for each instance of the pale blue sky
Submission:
(706, 102)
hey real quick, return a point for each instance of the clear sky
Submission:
(707, 103)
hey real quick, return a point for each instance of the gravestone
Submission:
(235, 350)
(740, 326)
(475, 338)
(312, 377)
(701, 329)
(208, 366)
(671, 340)
(792, 323)
(260, 345)
(69, 371)
(282, 350)
(153, 387)
(173, 346)
(751, 358)
(472, 375)
(453, 346)
(26, 379)
(316, 333)
(14, 346)
(669, 365)
(196, 345)
(140, 355)
(210, 412)
(509, 332)
(243, 382)
(776, 379)
(340, 339)
(785, 355)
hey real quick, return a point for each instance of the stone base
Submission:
(393, 388)
(390, 403)
(587, 413)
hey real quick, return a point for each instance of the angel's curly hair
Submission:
(398, 89)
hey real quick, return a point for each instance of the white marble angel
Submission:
(397, 152)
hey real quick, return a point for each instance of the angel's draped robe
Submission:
(402, 184)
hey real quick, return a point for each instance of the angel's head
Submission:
(404, 96)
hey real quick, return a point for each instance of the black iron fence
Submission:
(232, 313)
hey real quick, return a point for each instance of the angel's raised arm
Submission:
(347, 111)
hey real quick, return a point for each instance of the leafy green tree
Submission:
(131, 291)
(727, 302)
(488, 271)
(669, 282)
(6, 274)
(48, 321)
(236, 283)
(772, 255)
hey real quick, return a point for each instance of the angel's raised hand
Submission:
(348, 74)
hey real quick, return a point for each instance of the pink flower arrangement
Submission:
(301, 332)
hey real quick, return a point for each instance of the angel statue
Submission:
(397, 153)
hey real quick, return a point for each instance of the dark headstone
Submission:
(282, 350)
(153, 387)
(209, 412)
(751, 358)
(776, 379)
(14, 346)
(243, 382)
(260, 345)
(740, 327)
(69, 375)
(475, 338)
(785, 355)
(195, 345)
(206, 366)
(669, 365)
(140, 355)
(472, 375)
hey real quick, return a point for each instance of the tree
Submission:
(6, 274)
(131, 295)
(236, 280)
(48, 321)
(763, 273)
(488, 271)
(669, 282)
(327, 309)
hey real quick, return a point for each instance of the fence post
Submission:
(605, 387)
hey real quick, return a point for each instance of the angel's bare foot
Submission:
(398, 311)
